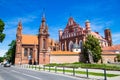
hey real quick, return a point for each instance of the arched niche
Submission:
(63, 47)
(80, 44)
(70, 45)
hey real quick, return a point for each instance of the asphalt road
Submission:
(12, 73)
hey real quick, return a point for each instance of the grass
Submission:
(84, 65)
(76, 71)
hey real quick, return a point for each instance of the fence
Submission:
(64, 70)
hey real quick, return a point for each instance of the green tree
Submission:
(93, 45)
(118, 57)
(1, 59)
(10, 54)
(2, 35)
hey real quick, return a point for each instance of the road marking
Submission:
(27, 75)
(1, 78)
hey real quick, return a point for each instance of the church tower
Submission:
(108, 36)
(44, 56)
(18, 54)
(87, 26)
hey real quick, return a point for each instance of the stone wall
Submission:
(64, 58)
(108, 58)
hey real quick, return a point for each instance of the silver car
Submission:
(7, 64)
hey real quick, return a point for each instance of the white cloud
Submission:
(116, 38)
(28, 30)
(54, 32)
(97, 28)
(11, 24)
(2, 52)
(11, 27)
(25, 19)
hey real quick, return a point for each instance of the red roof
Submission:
(114, 47)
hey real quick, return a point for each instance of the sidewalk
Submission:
(114, 78)
(91, 77)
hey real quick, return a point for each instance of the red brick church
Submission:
(41, 49)
(33, 48)
(73, 35)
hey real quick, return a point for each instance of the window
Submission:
(109, 34)
(80, 44)
(44, 43)
(44, 57)
(76, 29)
(67, 36)
(25, 51)
(31, 52)
(74, 34)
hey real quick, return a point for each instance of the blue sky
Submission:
(101, 13)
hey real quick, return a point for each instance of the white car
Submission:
(7, 64)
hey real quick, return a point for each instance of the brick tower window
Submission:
(44, 55)
(31, 52)
(25, 51)
(44, 43)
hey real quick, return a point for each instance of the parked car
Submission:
(1, 63)
(7, 64)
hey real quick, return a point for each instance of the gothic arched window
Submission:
(25, 51)
(44, 43)
(70, 45)
(31, 52)
(80, 44)
(63, 47)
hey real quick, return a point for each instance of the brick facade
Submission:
(31, 49)
(36, 49)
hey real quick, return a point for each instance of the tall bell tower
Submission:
(18, 54)
(44, 56)
(87, 26)
(108, 36)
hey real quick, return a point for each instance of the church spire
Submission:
(43, 41)
(20, 23)
(43, 24)
(43, 17)
(19, 29)
(87, 26)
(18, 53)
(43, 27)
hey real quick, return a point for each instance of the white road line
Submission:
(27, 75)
(1, 78)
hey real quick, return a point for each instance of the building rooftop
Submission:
(29, 39)
(112, 48)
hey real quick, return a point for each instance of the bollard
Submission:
(87, 72)
(63, 70)
(32, 66)
(105, 76)
(49, 68)
(55, 69)
(73, 71)
(44, 68)
(35, 67)
(39, 68)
